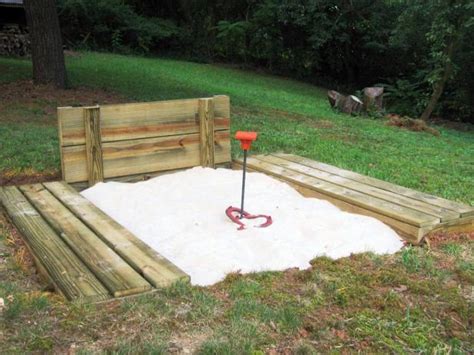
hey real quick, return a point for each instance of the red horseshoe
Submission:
(234, 214)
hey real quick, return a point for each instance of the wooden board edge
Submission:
(463, 225)
(42, 270)
(149, 263)
(82, 185)
(414, 223)
(407, 231)
(458, 207)
(131, 276)
(440, 213)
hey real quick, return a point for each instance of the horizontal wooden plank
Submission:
(68, 273)
(442, 213)
(115, 274)
(400, 213)
(407, 231)
(79, 186)
(141, 120)
(158, 270)
(462, 209)
(144, 156)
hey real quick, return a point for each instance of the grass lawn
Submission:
(418, 300)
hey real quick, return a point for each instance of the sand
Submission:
(182, 216)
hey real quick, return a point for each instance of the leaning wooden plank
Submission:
(158, 270)
(442, 213)
(464, 210)
(142, 120)
(144, 155)
(116, 275)
(400, 213)
(69, 274)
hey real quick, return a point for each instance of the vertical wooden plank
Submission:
(206, 132)
(95, 164)
(60, 114)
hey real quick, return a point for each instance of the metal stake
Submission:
(243, 186)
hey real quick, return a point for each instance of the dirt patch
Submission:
(411, 124)
(21, 101)
(14, 178)
(438, 239)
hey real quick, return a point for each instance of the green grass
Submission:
(418, 300)
(291, 116)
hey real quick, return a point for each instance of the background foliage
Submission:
(344, 44)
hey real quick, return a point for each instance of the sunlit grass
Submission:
(291, 116)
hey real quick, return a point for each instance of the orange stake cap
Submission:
(246, 139)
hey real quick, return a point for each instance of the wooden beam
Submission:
(206, 132)
(463, 209)
(401, 213)
(158, 270)
(442, 213)
(116, 275)
(141, 120)
(95, 164)
(67, 272)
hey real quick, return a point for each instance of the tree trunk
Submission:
(351, 105)
(347, 104)
(438, 87)
(373, 99)
(46, 44)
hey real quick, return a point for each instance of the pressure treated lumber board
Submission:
(159, 271)
(116, 275)
(79, 186)
(401, 213)
(66, 271)
(130, 157)
(94, 160)
(141, 120)
(139, 138)
(411, 213)
(442, 213)
(462, 209)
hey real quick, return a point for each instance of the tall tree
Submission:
(452, 20)
(46, 43)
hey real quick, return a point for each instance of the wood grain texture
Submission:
(69, 274)
(394, 211)
(79, 186)
(407, 231)
(142, 120)
(94, 162)
(142, 138)
(158, 270)
(206, 132)
(147, 155)
(462, 209)
(114, 273)
(420, 206)
(410, 213)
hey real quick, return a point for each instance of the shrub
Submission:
(111, 25)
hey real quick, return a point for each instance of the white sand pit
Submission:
(182, 216)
